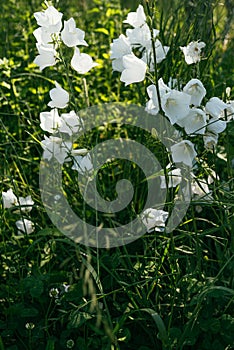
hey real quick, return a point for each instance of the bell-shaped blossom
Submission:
(195, 122)
(210, 140)
(25, 203)
(70, 123)
(141, 37)
(119, 48)
(161, 52)
(55, 147)
(136, 19)
(215, 106)
(216, 126)
(25, 226)
(59, 97)
(183, 152)
(50, 19)
(196, 89)
(42, 36)
(174, 179)
(192, 52)
(50, 121)
(154, 219)
(83, 164)
(72, 36)
(200, 190)
(9, 199)
(175, 104)
(152, 106)
(82, 62)
(46, 57)
(134, 69)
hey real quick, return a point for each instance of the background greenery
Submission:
(160, 292)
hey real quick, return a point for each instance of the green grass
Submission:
(163, 291)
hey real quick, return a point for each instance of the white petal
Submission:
(184, 152)
(197, 91)
(215, 106)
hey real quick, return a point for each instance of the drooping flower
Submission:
(215, 106)
(183, 152)
(174, 178)
(154, 219)
(50, 19)
(134, 69)
(83, 164)
(210, 140)
(175, 104)
(82, 62)
(46, 57)
(50, 121)
(25, 226)
(196, 89)
(55, 147)
(136, 19)
(72, 36)
(192, 51)
(161, 52)
(9, 199)
(195, 122)
(70, 123)
(59, 97)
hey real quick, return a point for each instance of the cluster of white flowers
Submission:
(52, 32)
(132, 68)
(50, 36)
(23, 205)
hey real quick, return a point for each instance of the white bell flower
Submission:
(161, 52)
(183, 152)
(134, 69)
(175, 105)
(215, 106)
(25, 226)
(154, 219)
(50, 19)
(46, 57)
(196, 89)
(70, 123)
(72, 36)
(210, 140)
(82, 62)
(136, 19)
(192, 51)
(50, 121)
(195, 122)
(9, 199)
(59, 97)
(83, 164)
(141, 37)
(55, 147)
(174, 178)
(216, 126)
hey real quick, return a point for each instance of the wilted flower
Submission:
(175, 104)
(183, 152)
(82, 62)
(51, 19)
(25, 226)
(46, 57)
(82, 164)
(134, 69)
(195, 122)
(154, 219)
(72, 36)
(192, 51)
(55, 147)
(196, 89)
(59, 97)
(215, 106)
(136, 19)
(9, 199)
(50, 121)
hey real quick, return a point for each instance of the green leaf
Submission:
(102, 30)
